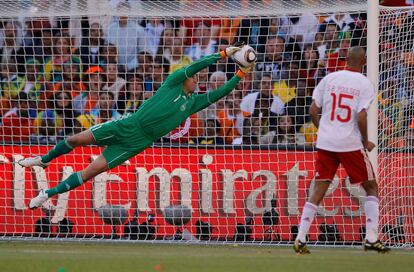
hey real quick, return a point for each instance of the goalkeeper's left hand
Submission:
(244, 70)
(230, 50)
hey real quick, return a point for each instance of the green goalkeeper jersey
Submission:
(170, 106)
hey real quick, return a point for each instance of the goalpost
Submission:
(233, 173)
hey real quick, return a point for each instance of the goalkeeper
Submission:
(128, 136)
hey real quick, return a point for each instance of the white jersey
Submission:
(342, 95)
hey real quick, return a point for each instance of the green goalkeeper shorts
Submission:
(123, 140)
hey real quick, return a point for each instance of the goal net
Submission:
(396, 126)
(238, 171)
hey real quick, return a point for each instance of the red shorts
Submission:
(356, 164)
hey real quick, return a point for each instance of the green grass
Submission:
(68, 257)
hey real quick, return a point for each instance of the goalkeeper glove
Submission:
(230, 50)
(244, 70)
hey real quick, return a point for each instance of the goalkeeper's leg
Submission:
(81, 139)
(76, 179)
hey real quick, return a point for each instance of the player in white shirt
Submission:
(339, 110)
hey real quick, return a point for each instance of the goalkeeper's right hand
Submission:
(230, 50)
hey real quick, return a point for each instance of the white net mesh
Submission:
(239, 170)
(395, 124)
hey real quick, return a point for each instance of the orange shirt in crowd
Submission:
(228, 126)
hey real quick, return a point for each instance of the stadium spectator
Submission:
(95, 79)
(298, 107)
(114, 84)
(272, 59)
(337, 60)
(205, 45)
(136, 94)
(211, 133)
(344, 21)
(300, 30)
(13, 51)
(44, 51)
(129, 37)
(91, 46)
(71, 80)
(251, 102)
(105, 110)
(188, 29)
(310, 70)
(254, 32)
(62, 52)
(251, 132)
(231, 117)
(46, 127)
(160, 68)
(16, 123)
(285, 133)
(33, 84)
(327, 40)
(177, 58)
(33, 31)
(285, 88)
(310, 133)
(153, 30)
(62, 104)
(166, 44)
(229, 29)
(109, 54)
(83, 122)
(11, 82)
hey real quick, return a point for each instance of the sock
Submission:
(372, 216)
(68, 184)
(61, 148)
(308, 213)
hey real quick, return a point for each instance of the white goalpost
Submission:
(239, 171)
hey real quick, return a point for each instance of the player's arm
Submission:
(315, 113)
(188, 71)
(204, 100)
(317, 102)
(364, 103)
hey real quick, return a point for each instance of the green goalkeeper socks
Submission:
(60, 149)
(70, 183)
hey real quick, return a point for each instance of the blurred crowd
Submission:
(60, 75)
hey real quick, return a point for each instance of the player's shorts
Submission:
(356, 164)
(123, 140)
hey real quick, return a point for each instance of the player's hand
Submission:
(230, 50)
(247, 69)
(369, 146)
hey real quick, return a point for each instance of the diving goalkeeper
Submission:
(128, 136)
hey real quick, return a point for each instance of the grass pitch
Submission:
(68, 257)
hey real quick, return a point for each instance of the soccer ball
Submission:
(245, 57)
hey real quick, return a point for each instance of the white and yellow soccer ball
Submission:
(245, 57)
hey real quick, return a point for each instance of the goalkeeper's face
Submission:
(190, 84)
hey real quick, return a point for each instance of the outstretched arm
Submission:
(204, 100)
(188, 71)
